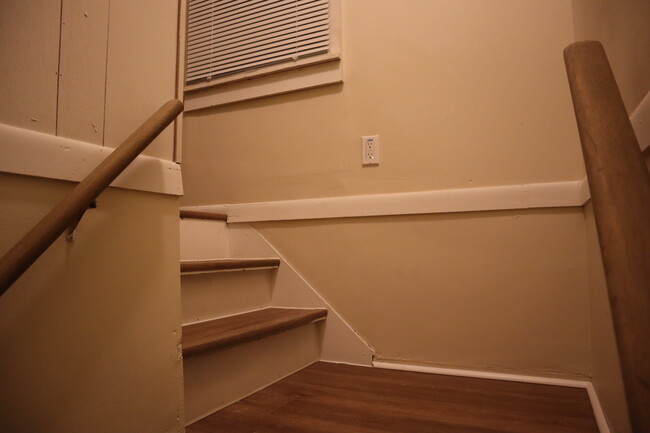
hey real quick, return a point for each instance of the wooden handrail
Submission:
(620, 191)
(18, 259)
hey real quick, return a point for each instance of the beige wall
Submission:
(87, 69)
(463, 93)
(622, 27)
(499, 291)
(89, 334)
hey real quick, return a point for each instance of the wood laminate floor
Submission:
(334, 398)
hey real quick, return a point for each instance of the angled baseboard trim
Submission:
(341, 343)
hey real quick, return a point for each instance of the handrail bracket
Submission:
(65, 216)
(72, 228)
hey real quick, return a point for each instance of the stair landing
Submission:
(335, 398)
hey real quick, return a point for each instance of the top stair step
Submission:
(195, 214)
(242, 328)
(220, 265)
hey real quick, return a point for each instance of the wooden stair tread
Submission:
(196, 214)
(241, 328)
(215, 265)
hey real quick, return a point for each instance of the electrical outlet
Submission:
(370, 150)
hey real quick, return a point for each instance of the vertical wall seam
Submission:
(179, 90)
(587, 284)
(58, 72)
(108, 36)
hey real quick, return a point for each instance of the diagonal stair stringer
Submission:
(341, 343)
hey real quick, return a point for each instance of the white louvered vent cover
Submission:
(229, 36)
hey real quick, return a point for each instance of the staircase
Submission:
(248, 319)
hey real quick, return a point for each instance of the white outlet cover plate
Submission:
(370, 150)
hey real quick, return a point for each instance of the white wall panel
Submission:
(29, 49)
(82, 74)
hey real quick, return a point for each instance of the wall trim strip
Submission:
(640, 119)
(307, 77)
(507, 197)
(43, 155)
(603, 427)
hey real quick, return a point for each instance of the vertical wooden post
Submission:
(620, 191)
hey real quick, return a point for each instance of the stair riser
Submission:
(203, 239)
(207, 296)
(217, 379)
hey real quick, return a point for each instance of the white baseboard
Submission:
(599, 414)
(585, 193)
(541, 380)
(640, 119)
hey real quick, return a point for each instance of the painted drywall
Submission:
(462, 93)
(622, 27)
(82, 70)
(90, 333)
(465, 93)
(606, 368)
(502, 291)
(91, 70)
(141, 68)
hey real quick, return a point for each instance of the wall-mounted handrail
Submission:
(19, 258)
(620, 191)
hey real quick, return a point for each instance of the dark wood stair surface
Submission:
(336, 398)
(196, 214)
(242, 328)
(217, 265)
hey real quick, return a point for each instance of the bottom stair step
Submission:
(228, 331)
